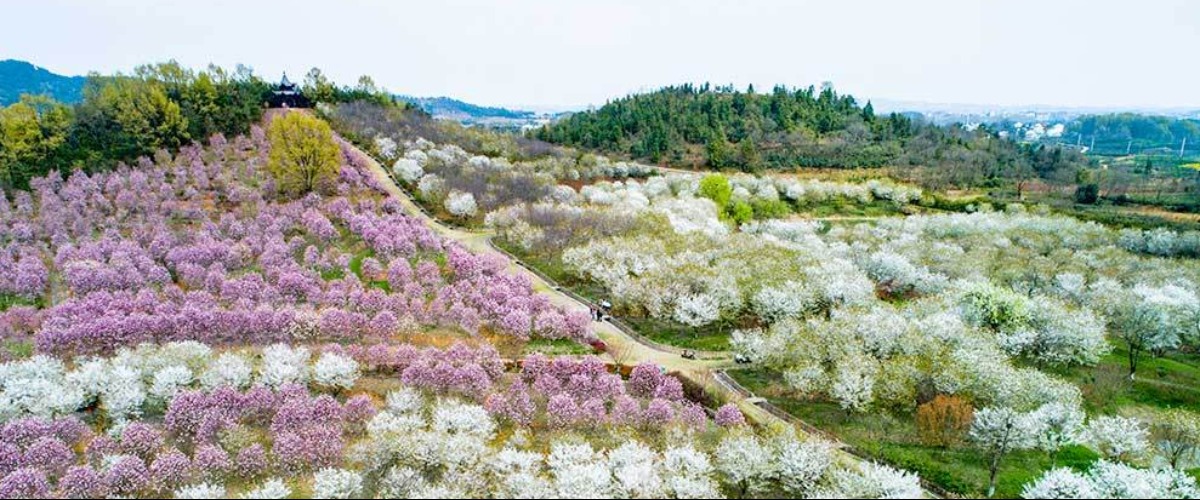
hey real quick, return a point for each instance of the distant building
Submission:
(287, 95)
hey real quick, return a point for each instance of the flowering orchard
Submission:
(880, 316)
(186, 420)
(463, 173)
(180, 328)
(1002, 310)
(199, 247)
(185, 327)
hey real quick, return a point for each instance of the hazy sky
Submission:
(574, 52)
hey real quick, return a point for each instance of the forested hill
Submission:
(720, 127)
(454, 108)
(1120, 132)
(20, 77)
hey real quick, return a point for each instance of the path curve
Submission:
(623, 348)
(621, 345)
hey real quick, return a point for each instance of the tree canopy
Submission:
(122, 117)
(304, 156)
(720, 127)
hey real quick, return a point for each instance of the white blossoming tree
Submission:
(1112, 480)
(1056, 425)
(282, 364)
(335, 371)
(337, 483)
(1152, 319)
(270, 489)
(461, 204)
(228, 370)
(169, 380)
(997, 432)
(688, 473)
(202, 490)
(745, 462)
(697, 309)
(386, 147)
(431, 187)
(802, 464)
(635, 471)
(1118, 437)
(408, 170)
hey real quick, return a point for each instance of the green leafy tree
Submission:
(304, 157)
(727, 128)
(741, 212)
(750, 159)
(125, 117)
(318, 87)
(770, 209)
(716, 188)
(719, 153)
(213, 100)
(1087, 194)
(159, 107)
(32, 132)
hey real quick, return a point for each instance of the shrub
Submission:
(1087, 194)
(943, 421)
(716, 188)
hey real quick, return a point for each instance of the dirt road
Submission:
(622, 348)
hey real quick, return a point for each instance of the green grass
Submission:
(893, 439)
(1170, 381)
(9, 300)
(706, 338)
(556, 347)
(18, 349)
(1114, 216)
(840, 207)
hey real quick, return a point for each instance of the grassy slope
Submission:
(961, 470)
(711, 338)
(1172, 381)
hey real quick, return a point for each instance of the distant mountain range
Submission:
(947, 113)
(447, 107)
(471, 114)
(20, 77)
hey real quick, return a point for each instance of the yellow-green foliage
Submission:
(30, 131)
(304, 156)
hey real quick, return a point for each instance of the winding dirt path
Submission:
(706, 371)
(620, 344)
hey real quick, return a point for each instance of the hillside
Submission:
(720, 127)
(475, 115)
(454, 108)
(891, 304)
(1119, 133)
(20, 77)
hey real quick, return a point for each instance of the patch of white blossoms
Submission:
(461, 204)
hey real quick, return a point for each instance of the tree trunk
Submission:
(1133, 362)
(991, 491)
